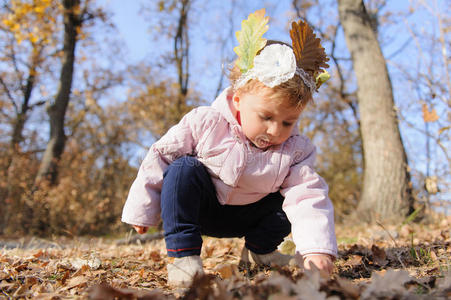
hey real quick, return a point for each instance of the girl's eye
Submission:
(265, 118)
(287, 124)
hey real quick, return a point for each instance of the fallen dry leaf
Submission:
(155, 256)
(379, 256)
(354, 260)
(391, 283)
(81, 271)
(226, 270)
(77, 281)
(105, 291)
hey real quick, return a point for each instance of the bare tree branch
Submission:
(8, 93)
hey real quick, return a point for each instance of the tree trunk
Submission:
(48, 170)
(181, 54)
(386, 194)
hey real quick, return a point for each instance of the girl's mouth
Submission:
(263, 142)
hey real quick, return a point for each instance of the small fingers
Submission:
(141, 229)
(323, 264)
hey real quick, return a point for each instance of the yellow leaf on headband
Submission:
(250, 39)
(321, 78)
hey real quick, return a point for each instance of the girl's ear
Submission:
(236, 102)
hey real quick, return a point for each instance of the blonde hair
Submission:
(294, 90)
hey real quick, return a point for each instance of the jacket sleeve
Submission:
(143, 202)
(307, 204)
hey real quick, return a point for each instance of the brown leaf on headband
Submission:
(310, 55)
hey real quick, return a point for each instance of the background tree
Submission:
(386, 193)
(28, 37)
(73, 19)
(422, 67)
(160, 101)
(38, 33)
(333, 122)
(93, 80)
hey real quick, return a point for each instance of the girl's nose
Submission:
(273, 130)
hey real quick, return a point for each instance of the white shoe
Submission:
(181, 272)
(274, 258)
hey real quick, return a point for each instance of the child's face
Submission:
(265, 122)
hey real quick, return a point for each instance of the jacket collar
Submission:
(224, 105)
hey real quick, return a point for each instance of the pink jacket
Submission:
(241, 173)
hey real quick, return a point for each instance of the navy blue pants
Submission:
(190, 208)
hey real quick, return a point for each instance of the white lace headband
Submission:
(308, 80)
(278, 63)
(275, 65)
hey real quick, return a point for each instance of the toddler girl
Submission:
(240, 168)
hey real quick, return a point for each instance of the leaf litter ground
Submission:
(375, 262)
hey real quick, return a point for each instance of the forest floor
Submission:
(410, 261)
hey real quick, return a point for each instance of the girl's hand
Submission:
(322, 261)
(140, 229)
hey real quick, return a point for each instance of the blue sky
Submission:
(131, 25)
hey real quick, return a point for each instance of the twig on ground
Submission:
(6, 294)
(396, 244)
(399, 258)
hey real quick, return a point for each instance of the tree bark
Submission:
(386, 194)
(48, 170)
(181, 54)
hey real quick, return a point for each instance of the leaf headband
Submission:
(278, 63)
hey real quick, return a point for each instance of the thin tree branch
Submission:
(8, 94)
(437, 140)
(230, 36)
